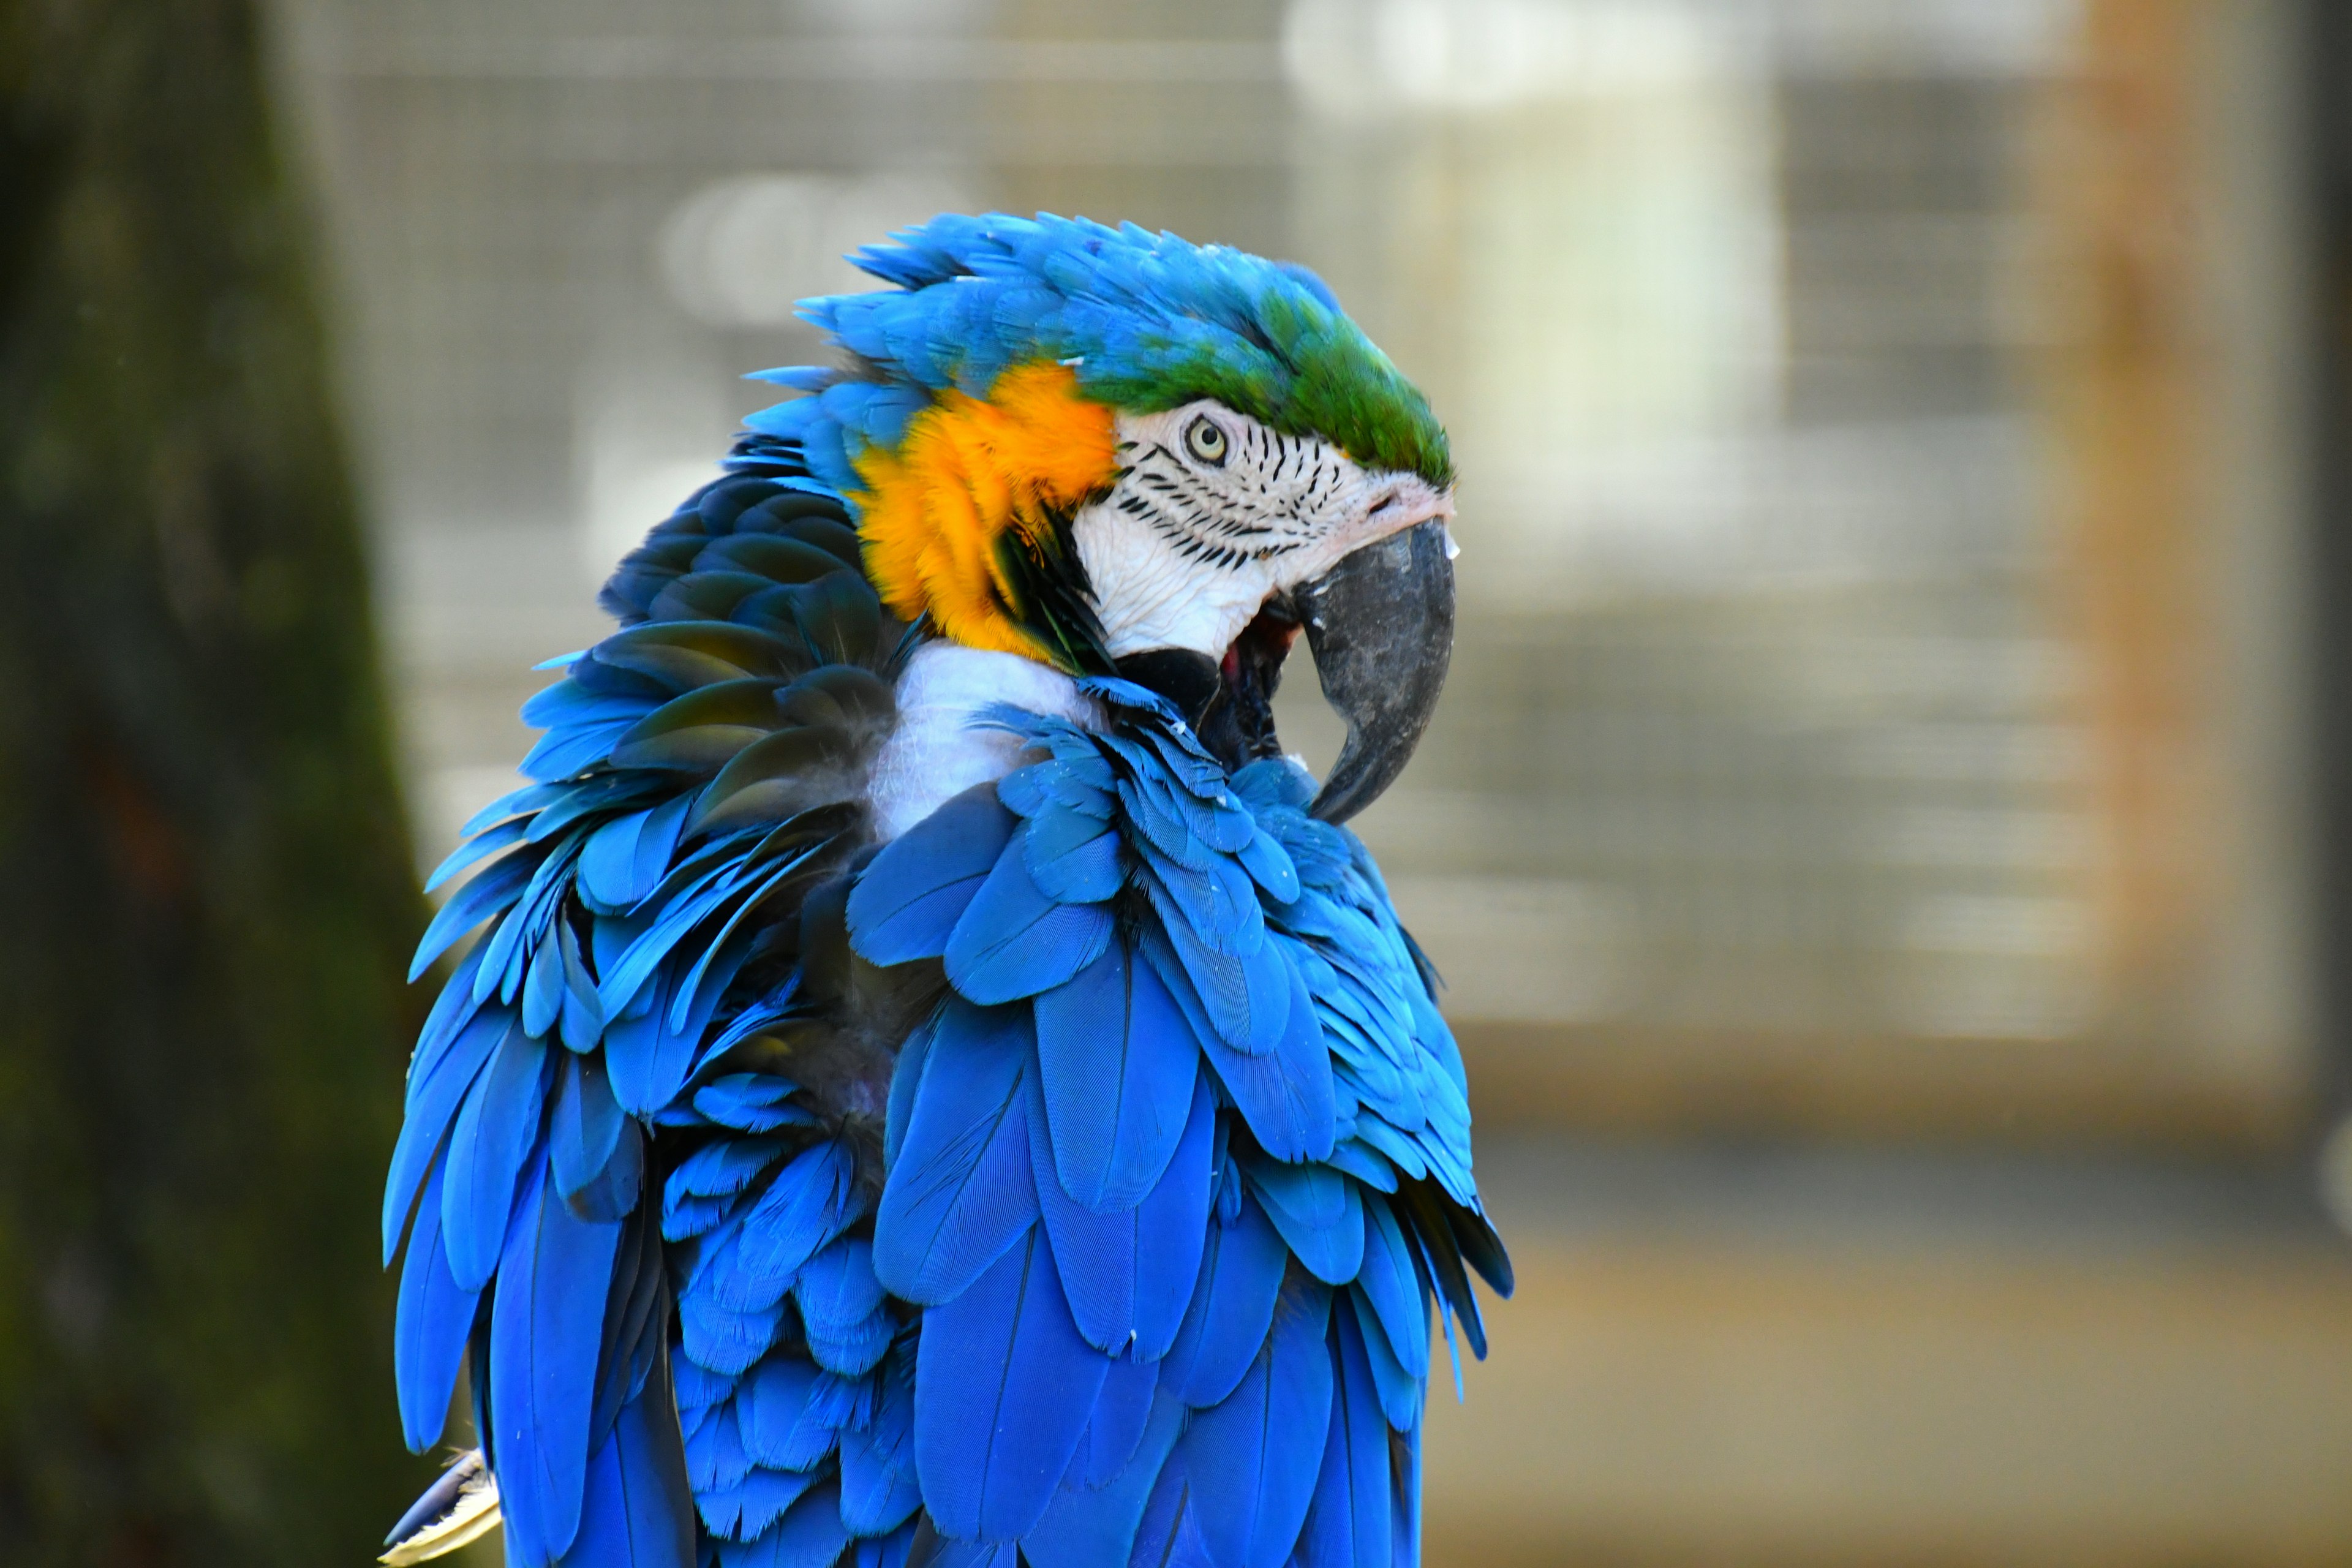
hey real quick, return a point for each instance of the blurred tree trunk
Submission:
(206, 895)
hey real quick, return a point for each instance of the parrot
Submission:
(933, 1084)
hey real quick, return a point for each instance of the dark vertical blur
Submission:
(2329, 32)
(208, 893)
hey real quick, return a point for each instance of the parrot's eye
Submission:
(1204, 438)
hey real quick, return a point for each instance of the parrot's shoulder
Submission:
(662, 998)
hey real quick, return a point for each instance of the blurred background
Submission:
(1886, 833)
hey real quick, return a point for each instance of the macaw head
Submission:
(1122, 454)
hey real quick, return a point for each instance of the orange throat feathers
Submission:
(936, 508)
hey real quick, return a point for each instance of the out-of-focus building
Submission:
(1867, 833)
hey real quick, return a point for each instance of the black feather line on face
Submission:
(1052, 599)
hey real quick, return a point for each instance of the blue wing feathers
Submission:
(1172, 1230)
(546, 1333)
(438, 1087)
(1255, 1457)
(1320, 1212)
(495, 1135)
(1347, 1521)
(961, 1190)
(1004, 1387)
(1232, 1305)
(1090, 1523)
(638, 1507)
(432, 1320)
(911, 895)
(1012, 942)
(1117, 1058)
(585, 1138)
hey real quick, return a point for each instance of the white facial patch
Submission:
(1213, 512)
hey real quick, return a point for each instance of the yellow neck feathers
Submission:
(935, 507)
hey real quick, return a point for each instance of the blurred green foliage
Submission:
(205, 888)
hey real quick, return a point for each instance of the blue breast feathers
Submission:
(1177, 1169)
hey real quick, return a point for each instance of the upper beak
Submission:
(1380, 623)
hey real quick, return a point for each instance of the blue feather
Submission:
(1079, 778)
(1356, 1157)
(1116, 1426)
(1073, 858)
(582, 1011)
(1168, 1535)
(639, 1510)
(451, 1012)
(1088, 1525)
(1130, 1276)
(430, 1327)
(1405, 1500)
(854, 1350)
(1270, 865)
(505, 836)
(566, 750)
(838, 1290)
(1117, 1058)
(1254, 1459)
(510, 946)
(437, 1089)
(1392, 1290)
(723, 1339)
(751, 1103)
(1172, 1229)
(496, 1132)
(974, 1554)
(715, 1459)
(1003, 1387)
(878, 1490)
(812, 1199)
(756, 1502)
(719, 1170)
(1218, 902)
(1246, 1002)
(528, 798)
(1393, 1146)
(609, 862)
(810, 1535)
(774, 1410)
(1402, 1393)
(637, 1319)
(1320, 1212)
(586, 1128)
(490, 889)
(962, 1190)
(1012, 941)
(547, 1323)
(910, 896)
(906, 1077)
(1285, 1095)
(1231, 1308)
(891, 1550)
(1348, 1522)
(692, 894)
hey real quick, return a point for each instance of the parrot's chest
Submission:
(941, 748)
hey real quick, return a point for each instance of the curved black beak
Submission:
(1380, 623)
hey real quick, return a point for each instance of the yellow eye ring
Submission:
(1205, 440)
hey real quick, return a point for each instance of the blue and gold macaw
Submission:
(934, 1084)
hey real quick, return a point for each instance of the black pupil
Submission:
(1207, 439)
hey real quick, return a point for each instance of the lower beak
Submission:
(1380, 623)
